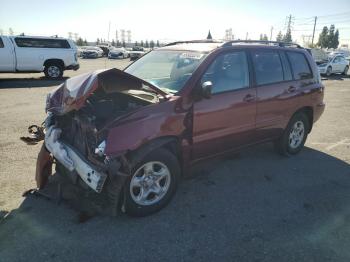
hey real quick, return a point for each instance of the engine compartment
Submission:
(84, 129)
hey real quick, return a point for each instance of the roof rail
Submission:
(193, 42)
(276, 43)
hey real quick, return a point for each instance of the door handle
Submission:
(249, 98)
(291, 89)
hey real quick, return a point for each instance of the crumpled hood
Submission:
(72, 94)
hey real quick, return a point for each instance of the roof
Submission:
(210, 45)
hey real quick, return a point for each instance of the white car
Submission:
(335, 64)
(51, 55)
(118, 52)
(92, 52)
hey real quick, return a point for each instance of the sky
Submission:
(173, 20)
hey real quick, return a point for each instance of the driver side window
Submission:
(228, 72)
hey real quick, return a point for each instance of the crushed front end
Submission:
(79, 113)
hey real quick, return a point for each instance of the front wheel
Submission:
(53, 71)
(346, 69)
(152, 184)
(294, 136)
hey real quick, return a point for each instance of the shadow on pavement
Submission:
(29, 82)
(336, 77)
(252, 206)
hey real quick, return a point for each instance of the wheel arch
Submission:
(54, 61)
(171, 143)
(309, 112)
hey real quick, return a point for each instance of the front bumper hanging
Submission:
(72, 160)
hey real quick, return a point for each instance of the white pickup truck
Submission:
(50, 55)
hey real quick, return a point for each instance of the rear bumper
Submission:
(73, 161)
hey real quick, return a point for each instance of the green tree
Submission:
(279, 37)
(142, 43)
(323, 38)
(288, 36)
(79, 42)
(146, 44)
(151, 44)
(335, 43)
(261, 37)
(118, 43)
(97, 41)
(136, 43)
(158, 43)
(113, 43)
(330, 36)
(85, 42)
(123, 43)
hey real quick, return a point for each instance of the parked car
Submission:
(51, 55)
(105, 49)
(134, 133)
(92, 52)
(334, 64)
(136, 53)
(118, 52)
(81, 49)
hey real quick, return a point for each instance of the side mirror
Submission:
(206, 89)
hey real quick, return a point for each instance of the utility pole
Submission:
(313, 33)
(271, 33)
(109, 30)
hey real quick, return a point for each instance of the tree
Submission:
(330, 37)
(142, 43)
(151, 44)
(118, 43)
(79, 42)
(146, 44)
(136, 43)
(279, 37)
(336, 39)
(123, 43)
(85, 42)
(288, 36)
(97, 41)
(323, 38)
(263, 37)
(113, 43)
(158, 43)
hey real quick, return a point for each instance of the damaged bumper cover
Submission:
(73, 161)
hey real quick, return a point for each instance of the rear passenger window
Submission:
(1, 43)
(42, 43)
(268, 67)
(300, 66)
(228, 72)
(286, 67)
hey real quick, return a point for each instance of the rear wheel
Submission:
(329, 71)
(152, 184)
(53, 71)
(294, 136)
(346, 69)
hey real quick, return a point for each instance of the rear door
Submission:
(7, 58)
(226, 120)
(337, 65)
(277, 92)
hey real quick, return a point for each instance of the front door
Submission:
(227, 119)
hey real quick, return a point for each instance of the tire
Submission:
(345, 72)
(140, 190)
(53, 71)
(294, 136)
(329, 71)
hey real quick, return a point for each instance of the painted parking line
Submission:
(331, 146)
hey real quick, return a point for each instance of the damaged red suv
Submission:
(130, 135)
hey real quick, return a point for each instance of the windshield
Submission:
(167, 70)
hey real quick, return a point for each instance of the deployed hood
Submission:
(72, 94)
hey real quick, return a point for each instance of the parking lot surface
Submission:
(251, 206)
